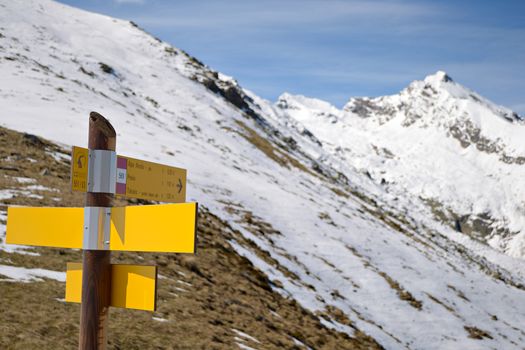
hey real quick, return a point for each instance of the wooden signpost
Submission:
(99, 228)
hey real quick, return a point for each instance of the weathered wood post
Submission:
(96, 268)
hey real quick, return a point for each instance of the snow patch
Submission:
(21, 274)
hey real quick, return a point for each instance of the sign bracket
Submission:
(102, 171)
(97, 228)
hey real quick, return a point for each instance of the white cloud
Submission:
(139, 2)
(214, 14)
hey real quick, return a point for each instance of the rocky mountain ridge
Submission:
(437, 140)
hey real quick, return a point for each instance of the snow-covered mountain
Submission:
(352, 213)
(438, 141)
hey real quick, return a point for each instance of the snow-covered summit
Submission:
(287, 100)
(305, 107)
(438, 78)
(438, 92)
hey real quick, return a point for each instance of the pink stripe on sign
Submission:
(121, 188)
(122, 163)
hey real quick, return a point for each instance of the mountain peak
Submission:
(438, 77)
(289, 101)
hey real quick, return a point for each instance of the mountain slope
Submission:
(204, 302)
(324, 235)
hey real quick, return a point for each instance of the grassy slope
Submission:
(202, 297)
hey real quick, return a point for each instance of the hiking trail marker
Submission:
(133, 178)
(99, 228)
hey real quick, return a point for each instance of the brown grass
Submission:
(476, 333)
(270, 150)
(402, 292)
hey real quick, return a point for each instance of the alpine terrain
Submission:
(395, 222)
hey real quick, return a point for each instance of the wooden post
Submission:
(96, 268)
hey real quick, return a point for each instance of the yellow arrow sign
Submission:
(132, 286)
(146, 180)
(135, 178)
(145, 228)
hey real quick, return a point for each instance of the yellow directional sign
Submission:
(132, 286)
(48, 227)
(154, 228)
(145, 228)
(79, 169)
(146, 180)
(134, 178)
(99, 229)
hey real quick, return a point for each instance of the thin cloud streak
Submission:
(241, 13)
(139, 2)
(329, 49)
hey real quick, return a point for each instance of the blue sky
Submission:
(335, 49)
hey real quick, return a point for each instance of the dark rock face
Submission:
(33, 140)
(106, 68)
(210, 85)
(467, 134)
(479, 226)
(446, 78)
(233, 95)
